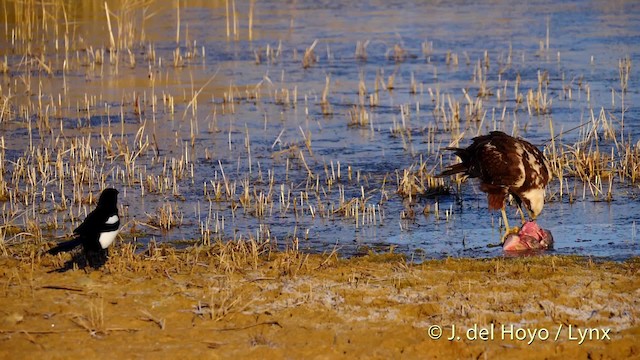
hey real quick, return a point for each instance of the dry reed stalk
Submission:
(309, 57)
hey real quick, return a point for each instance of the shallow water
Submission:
(586, 41)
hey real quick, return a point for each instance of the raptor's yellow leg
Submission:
(524, 220)
(508, 230)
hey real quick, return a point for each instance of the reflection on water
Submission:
(263, 120)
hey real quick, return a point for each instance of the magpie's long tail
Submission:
(65, 246)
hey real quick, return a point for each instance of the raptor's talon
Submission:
(509, 231)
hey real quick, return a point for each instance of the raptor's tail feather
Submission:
(460, 168)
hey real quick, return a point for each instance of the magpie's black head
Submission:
(108, 198)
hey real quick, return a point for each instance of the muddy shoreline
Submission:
(216, 303)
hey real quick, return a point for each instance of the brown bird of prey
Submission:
(505, 166)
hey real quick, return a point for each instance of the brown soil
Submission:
(200, 304)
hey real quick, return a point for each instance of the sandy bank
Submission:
(209, 304)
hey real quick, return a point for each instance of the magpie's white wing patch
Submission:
(112, 220)
(107, 238)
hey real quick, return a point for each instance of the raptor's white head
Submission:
(534, 199)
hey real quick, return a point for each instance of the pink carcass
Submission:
(530, 237)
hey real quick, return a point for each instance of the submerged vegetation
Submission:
(257, 147)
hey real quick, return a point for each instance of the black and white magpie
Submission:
(97, 232)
